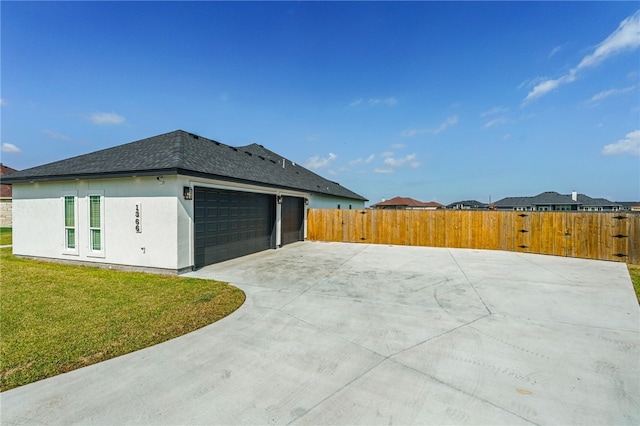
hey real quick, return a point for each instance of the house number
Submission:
(138, 220)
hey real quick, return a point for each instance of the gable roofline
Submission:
(180, 152)
(552, 197)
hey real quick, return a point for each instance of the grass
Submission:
(634, 271)
(56, 318)
(6, 236)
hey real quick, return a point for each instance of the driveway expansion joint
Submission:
(535, 357)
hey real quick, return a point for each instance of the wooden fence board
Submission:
(591, 235)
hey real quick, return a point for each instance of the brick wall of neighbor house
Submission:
(6, 219)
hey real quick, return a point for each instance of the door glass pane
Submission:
(95, 239)
(71, 238)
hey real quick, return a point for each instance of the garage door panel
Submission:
(292, 219)
(233, 224)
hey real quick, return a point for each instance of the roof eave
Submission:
(186, 172)
(118, 174)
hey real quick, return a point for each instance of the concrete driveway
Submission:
(335, 333)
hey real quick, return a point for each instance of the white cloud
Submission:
(412, 132)
(106, 118)
(630, 145)
(606, 93)
(556, 50)
(316, 162)
(442, 127)
(409, 160)
(398, 146)
(386, 154)
(625, 37)
(54, 135)
(10, 148)
(390, 102)
(494, 110)
(550, 85)
(3, 102)
(356, 103)
(495, 122)
(383, 171)
(359, 161)
(530, 82)
(447, 123)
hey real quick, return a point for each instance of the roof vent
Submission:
(248, 153)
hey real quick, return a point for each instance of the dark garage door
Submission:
(231, 224)
(292, 219)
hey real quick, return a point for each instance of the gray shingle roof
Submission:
(180, 152)
(470, 203)
(552, 197)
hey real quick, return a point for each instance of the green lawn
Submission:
(56, 318)
(634, 271)
(6, 236)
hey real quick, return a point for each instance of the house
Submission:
(633, 206)
(405, 203)
(169, 203)
(467, 205)
(553, 201)
(5, 198)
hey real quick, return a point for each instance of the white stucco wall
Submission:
(167, 226)
(38, 228)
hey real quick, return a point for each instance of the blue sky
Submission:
(429, 100)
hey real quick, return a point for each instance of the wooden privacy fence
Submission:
(603, 236)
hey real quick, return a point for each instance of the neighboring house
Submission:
(405, 203)
(468, 205)
(552, 201)
(633, 206)
(5, 198)
(167, 203)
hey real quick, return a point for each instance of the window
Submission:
(95, 222)
(70, 236)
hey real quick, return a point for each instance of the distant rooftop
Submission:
(406, 202)
(5, 190)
